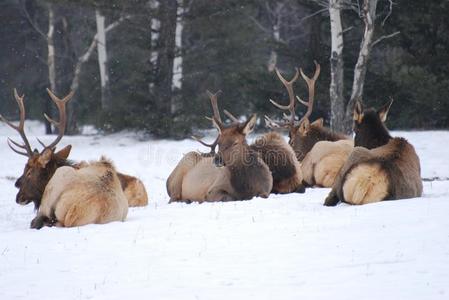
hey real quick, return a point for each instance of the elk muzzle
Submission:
(218, 160)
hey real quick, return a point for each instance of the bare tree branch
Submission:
(385, 37)
(389, 12)
(31, 22)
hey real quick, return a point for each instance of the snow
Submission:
(284, 247)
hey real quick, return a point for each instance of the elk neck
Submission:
(371, 133)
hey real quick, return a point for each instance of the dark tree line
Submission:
(147, 64)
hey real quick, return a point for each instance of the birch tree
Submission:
(103, 60)
(341, 108)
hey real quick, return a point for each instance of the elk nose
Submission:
(18, 183)
(218, 161)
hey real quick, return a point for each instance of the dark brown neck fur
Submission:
(371, 133)
(50, 170)
(245, 171)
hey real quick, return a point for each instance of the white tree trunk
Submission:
(177, 63)
(369, 17)
(276, 34)
(155, 27)
(51, 49)
(102, 59)
(51, 64)
(336, 62)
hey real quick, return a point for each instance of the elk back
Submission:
(91, 194)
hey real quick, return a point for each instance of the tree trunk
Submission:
(164, 68)
(177, 63)
(369, 17)
(155, 26)
(103, 60)
(336, 64)
(51, 63)
(276, 35)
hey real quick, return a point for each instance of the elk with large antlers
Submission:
(235, 172)
(65, 194)
(380, 167)
(321, 151)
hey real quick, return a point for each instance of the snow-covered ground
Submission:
(284, 247)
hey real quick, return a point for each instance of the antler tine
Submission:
(213, 102)
(19, 128)
(212, 146)
(311, 87)
(231, 116)
(291, 95)
(270, 123)
(61, 104)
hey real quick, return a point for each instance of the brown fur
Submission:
(282, 162)
(304, 136)
(388, 171)
(87, 195)
(322, 164)
(134, 190)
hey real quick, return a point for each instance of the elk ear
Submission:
(383, 111)
(358, 112)
(64, 152)
(45, 157)
(318, 123)
(216, 124)
(249, 125)
(304, 126)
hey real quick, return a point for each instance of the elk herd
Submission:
(371, 167)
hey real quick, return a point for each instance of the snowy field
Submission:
(284, 247)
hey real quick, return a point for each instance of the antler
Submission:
(19, 128)
(212, 146)
(290, 119)
(61, 104)
(214, 103)
(311, 85)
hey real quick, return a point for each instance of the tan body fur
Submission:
(91, 194)
(322, 164)
(193, 177)
(134, 190)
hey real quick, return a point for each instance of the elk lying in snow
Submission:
(64, 193)
(133, 188)
(321, 151)
(380, 167)
(236, 172)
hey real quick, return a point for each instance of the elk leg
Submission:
(301, 189)
(332, 199)
(39, 221)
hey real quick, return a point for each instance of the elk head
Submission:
(369, 128)
(298, 132)
(232, 140)
(40, 167)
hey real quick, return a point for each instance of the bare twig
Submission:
(385, 37)
(390, 10)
